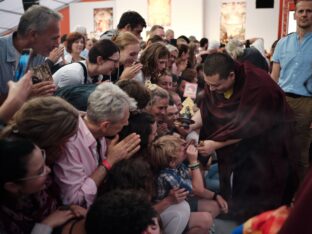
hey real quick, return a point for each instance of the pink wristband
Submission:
(106, 164)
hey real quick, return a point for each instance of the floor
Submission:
(224, 226)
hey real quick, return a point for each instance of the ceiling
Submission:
(11, 11)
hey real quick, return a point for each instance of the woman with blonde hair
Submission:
(129, 46)
(157, 107)
(48, 121)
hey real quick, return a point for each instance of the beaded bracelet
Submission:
(193, 165)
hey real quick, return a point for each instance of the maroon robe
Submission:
(256, 113)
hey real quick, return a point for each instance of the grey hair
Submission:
(171, 48)
(81, 29)
(107, 102)
(37, 18)
(158, 92)
(234, 48)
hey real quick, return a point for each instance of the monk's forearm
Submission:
(198, 121)
(221, 144)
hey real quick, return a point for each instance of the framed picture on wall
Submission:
(103, 19)
(233, 20)
(97, 17)
(159, 12)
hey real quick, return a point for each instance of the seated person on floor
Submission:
(166, 157)
(120, 212)
(26, 202)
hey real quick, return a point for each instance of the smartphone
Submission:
(23, 63)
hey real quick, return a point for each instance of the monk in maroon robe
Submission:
(245, 118)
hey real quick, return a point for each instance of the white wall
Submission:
(189, 17)
(186, 15)
(259, 22)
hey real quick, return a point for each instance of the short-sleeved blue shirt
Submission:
(9, 57)
(295, 60)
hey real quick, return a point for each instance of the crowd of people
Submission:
(103, 143)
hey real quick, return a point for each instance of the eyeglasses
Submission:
(43, 173)
(116, 61)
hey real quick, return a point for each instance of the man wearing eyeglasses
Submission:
(292, 69)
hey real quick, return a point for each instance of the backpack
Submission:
(77, 95)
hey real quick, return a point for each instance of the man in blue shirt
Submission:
(292, 69)
(38, 29)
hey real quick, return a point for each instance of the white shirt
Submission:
(71, 74)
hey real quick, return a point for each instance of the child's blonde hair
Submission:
(163, 151)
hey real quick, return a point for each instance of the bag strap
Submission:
(85, 73)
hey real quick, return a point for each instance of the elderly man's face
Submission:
(114, 128)
(172, 115)
(46, 41)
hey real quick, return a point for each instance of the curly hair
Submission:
(120, 212)
(150, 56)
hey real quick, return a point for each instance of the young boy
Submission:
(167, 156)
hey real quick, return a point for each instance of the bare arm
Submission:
(198, 121)
(275, 71)
(18, 94)
(198, 187)
(210, 146)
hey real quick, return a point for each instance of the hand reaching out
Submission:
(59, 217)
(124, 149)
(44, 88)
(56, 54)
(130, 72)
(18, 94)
(20, 90)
(206, 148)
